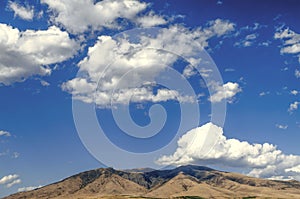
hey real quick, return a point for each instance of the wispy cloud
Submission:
(247, 41)
(10, 180)
(281, 126)
(30, 188)
(297, 73)
(24, 12)
(5, 133)
(291, 42)
(264, 93)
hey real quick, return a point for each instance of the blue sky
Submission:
(66, 64)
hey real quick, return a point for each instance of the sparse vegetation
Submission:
(189, 197)
(190, 181)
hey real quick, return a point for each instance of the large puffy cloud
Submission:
(226, 91)
(28, 53)
(25, 13)
(10, 180)
(81, 15)
(111, 58)
(263, 160)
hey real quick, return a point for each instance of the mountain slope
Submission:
(182, 181)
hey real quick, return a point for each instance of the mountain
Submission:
(182, 182)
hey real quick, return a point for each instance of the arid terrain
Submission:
(182, 182)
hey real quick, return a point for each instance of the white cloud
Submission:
(205, 72)
(4, 153)
(226, 91)
(229, 70)
(151, 20)
(263, 160)
(247, 41)
(265, 43)
(142, 58)
(219, 2)
(30, 188)
(104, 99)
(15, 155)
(297, 73)
(294, 92)
(294, 169)
(280, 126)
(291, 41)
(251, 36)
(5, 133)
(25, 13)
(44, 83)
(264, 93)
(81, 15)
(293, 106)
(18, 181)
(219, 27)
(10, 180)
(28, 53)
(189, 71)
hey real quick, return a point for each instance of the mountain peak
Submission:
(187, 180)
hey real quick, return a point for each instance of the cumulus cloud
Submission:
(81, 90)
(293, 106)
(25, 13)
(27, 53)
(144, 62)
(219, 27)
(81, 15)
(10, 180)
(291, 41)
(30, 188)
(294, 92)
(5, 133)
(151, 20)
(263, 160)
(226, 91)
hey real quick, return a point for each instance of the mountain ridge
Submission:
(189, 180)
